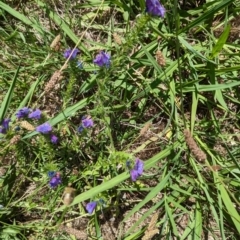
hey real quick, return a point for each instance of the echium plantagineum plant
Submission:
(137, 170)
(87, 122)
(5, 125)
(55, 179)
(102, 59)
(67, 53)
(35, 115)
(155, 8)
(91, 206)
(23, 112)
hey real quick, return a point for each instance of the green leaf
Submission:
(171, 218)
(220, 43)
(214, 87)
(7, 99)
(230, 207)
(198, 223)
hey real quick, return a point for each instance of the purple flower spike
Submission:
(139, 166)
(91, 206)
(35, 114)
(137, 171)
(23, 112)
(54, 139)
(134, 175)
(102, 59)
(154, 8)
(55, 180)
(5, 123)
(45, 128)
(87, 122)
(67, 53)
(3, 130)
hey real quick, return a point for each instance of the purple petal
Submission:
(5, 123)
(155, 8)
(134, 175)
(139, 166)
(102, 59)
(45, 128)
(55, 181)
(87, 122)
(67, 53)
(23, 112)
(54, 139)
(90, 207)
(3, 130)
(35, 114)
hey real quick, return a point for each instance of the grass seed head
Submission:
(117, 39)
(15, 139)
(55, 45)
(145, 128)
(26, 125)
(56, 77)
(160, 58)
(193, 147)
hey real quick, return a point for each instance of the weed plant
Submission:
(119, 119)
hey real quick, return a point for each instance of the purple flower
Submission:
(68, 52)
(3, 130)
(55, 180)
(134, 175)
(5, 125)
(137, 171)
(91, 206)
(87, 122)
(154, 7)
(102, 59)
(139, 166)
(45, 128)
(35, 114)
(23, 112)
(54, 139)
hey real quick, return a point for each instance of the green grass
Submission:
(166, 75)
